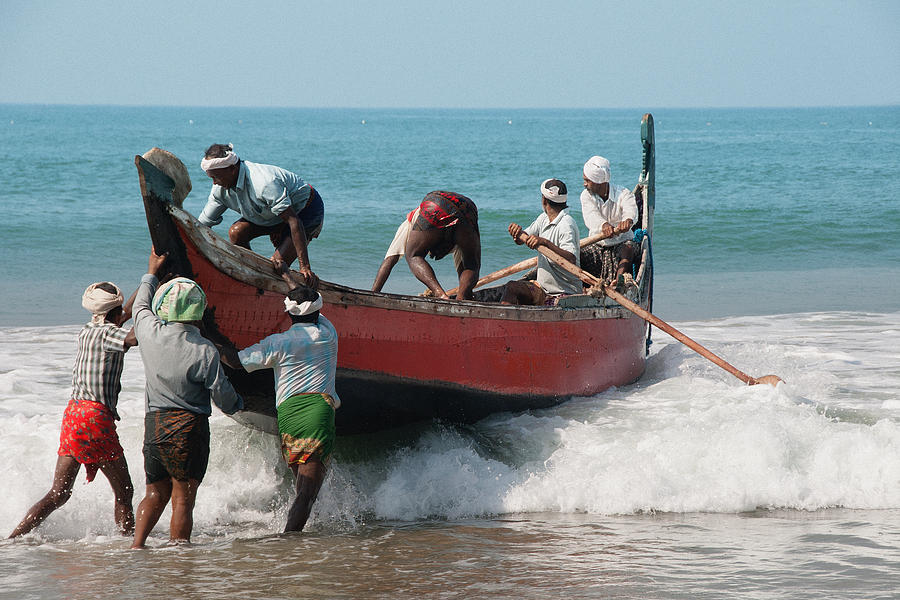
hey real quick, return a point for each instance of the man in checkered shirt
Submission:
(88, 434)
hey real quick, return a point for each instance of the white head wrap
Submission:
(99, 302)
(597, 169)
(302, 308)
(552, 193)
(230, 158)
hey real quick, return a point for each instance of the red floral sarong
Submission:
(89, 435)
(440, 210)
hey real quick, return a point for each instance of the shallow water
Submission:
(683, 484)
(761, 554)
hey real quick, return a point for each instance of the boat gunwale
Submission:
(252, 269)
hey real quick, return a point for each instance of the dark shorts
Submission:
(176, 445)
(312, 216)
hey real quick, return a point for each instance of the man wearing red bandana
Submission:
(447, 222)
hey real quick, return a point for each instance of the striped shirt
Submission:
(99, 359)
(304, 359)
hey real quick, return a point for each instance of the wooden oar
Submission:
(652, 319)
(528, 263)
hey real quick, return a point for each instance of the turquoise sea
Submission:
(775, 244)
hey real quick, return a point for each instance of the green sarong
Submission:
(306, 425)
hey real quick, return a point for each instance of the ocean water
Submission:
(775, 246)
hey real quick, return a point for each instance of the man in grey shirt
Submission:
(182, 372)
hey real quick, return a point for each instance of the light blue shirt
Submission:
(562, 231)
(304, 359)
(261, 194)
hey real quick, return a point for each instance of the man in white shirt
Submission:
(612, 211)
(554, 229)
(304, 361)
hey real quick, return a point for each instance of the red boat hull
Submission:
(402, 366)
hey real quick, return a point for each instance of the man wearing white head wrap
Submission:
(596, 169)
(272, 201)
(304, 361)
(554, 229)
(612, 211)
(88, 436)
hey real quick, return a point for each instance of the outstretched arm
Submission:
(299, 243)
(143, 296)
(228, 352)
(384, 271)
(468, 242)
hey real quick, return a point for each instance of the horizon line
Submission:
(278, 107)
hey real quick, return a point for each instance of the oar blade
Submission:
(772, 380)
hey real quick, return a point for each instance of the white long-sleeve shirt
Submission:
(621, 205)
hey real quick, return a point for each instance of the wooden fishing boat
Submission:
(403, 359)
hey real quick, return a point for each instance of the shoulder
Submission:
(568, 221)
(326, 324)
(114, 331)
(270, 172)
(216, 192)
(623, 194)
(206, 348)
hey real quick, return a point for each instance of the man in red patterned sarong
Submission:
(88, 435)
(447, 222)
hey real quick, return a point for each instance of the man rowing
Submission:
(611, 210)
(555, 229)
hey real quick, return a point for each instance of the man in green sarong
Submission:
(304, 359)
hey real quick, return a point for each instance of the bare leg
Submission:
(626, 259)
(241, 232)
(61, 490)
(184, 494)
(308, 478)
(287, 251)
(150, 509)
(120, 481)
(523, 293)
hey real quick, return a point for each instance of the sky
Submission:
(459, 54)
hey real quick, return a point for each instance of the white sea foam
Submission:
(688, 437)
